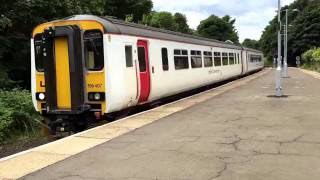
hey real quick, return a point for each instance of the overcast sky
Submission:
(252, 16)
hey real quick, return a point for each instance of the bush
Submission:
(307, 56)
(17, 114)
(311, 59)
(316, 55)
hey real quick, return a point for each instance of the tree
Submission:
(180, 21)
(234, 34)
(305, 30)
(121, 8)
(303, 35)
(251, 43)
(163, 20)
(218, 28)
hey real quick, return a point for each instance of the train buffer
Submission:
(236, 131)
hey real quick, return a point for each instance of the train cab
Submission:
(68, 71)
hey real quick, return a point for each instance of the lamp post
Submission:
(278, 70)
(285, 63)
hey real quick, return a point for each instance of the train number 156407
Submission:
(91, 86)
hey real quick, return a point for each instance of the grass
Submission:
(312, 67)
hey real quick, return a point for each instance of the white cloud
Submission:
(252, 16)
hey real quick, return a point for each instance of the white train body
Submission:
(173, 63)
(123, 81)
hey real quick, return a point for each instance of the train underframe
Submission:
(65, 124)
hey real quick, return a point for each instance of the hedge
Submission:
(311, 59)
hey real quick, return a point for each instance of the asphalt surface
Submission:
(242, 134)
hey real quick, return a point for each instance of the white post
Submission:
(285, 63)
(278, 71)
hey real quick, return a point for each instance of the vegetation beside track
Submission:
(18, 119)
(311, 59)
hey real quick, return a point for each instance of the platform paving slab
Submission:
(242, 134)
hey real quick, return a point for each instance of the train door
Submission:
(144, 71)
(63, 70)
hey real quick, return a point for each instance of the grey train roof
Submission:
(121, 27)
(250, 49)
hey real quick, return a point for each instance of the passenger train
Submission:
(86, 67)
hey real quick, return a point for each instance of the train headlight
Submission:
(40, 96)
(96, 96)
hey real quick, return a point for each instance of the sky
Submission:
(252, 16)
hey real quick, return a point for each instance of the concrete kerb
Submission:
(312, 73)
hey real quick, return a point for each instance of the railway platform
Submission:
(236, 131)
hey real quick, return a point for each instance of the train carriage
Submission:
(85, 67)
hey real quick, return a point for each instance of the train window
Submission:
(142, 59)
(38, 53)
(207, 53)
(177, 52)
(255, 58)
(217, 58)
(231, 58)
(238, 58)
(184, 52)
(208, 62)
(165, 62)
(128, 51)
(196, 59)
(93, 50)
(181, 60)
(225, 59)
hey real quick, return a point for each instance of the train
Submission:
(85, 67)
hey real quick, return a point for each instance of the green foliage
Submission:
(121, 8)
(146, 19)
(222, 29)
(311, 59)
(17, 114)
(180, 21)
(163, 20)
(311, 56)
(251, 43)
(4, 23)
(268, 40)
(129, 18)
(304, 33)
